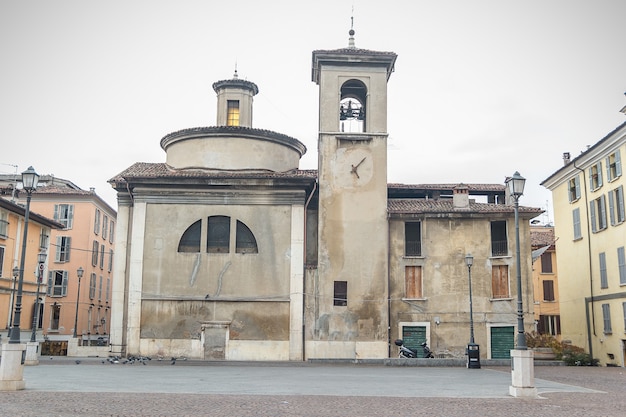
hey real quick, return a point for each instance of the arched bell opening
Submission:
(352, 107)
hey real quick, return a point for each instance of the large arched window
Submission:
(190, 242)
(352, 107)
(218, 237)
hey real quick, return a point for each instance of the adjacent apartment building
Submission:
(74, 307)
(590, 224)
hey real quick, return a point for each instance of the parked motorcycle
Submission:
(406, 352)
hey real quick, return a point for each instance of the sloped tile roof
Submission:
(148, 170)
(542, 236)
(445, 206)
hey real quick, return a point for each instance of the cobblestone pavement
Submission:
(607, 399)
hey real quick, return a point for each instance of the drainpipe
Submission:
(590, 323)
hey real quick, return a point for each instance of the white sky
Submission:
(482, 88)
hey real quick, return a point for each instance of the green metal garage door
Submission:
(502, 341)
(413, 337)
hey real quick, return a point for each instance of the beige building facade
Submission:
(590, 225)
(229, 251)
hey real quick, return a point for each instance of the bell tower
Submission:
(351, 316)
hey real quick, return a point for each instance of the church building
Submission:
(227, 250)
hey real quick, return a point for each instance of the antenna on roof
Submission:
(235, 75)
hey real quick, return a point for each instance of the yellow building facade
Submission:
(590, 225)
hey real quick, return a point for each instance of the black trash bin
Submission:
(473, 356)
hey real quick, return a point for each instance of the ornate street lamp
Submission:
(30, 178)
(473, 350)
(41, 257)
(79, 273)
(515, 185)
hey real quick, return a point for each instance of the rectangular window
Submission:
(105, 226)
(55, 317)
(595, 176)
(499, 245)
(500, 281)
(548, 290)
(92, 286)
(108, 290)
(111, 230)
(604, 280)
(64, 214)
(413, 282)
(613, 166)
(232, 117)
(549, 325)
(57, 283)
(96, 223)
(621, 265)
(4, 224)
(606, 317)
(218, 235)
(340, 295)
(95, 247)
(110, 268)
(574, 189)
(616, 206)
(63, 249)
(100, 289)
(44, 237)
(597, 212)
(412, 239)
(576, 222)
(101, 256)
(546, 262)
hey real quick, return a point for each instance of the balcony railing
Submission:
(499, 248)
(413, 248)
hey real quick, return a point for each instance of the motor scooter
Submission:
(408, 353)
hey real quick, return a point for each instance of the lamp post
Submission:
(473, 350)
(30, 178)
(42, 260)
(79, 273)
(516, 190)
(522, 360)
(469, 261)
(16, 273)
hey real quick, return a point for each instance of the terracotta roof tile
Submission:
(418, 206)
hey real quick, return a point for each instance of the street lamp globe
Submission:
(516, 185)
(30, 178)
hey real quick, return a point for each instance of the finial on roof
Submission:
(351, 32)
(235, 75)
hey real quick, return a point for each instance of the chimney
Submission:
(566, 158)
(460, 197)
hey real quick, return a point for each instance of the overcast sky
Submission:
(481, 89)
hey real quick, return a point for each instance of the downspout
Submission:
(388, 286)
(591, 323)
(306, 205)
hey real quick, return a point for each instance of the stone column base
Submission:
(11, 367)
(522, 374)
(32, 354)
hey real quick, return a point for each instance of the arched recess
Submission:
(352, 107)
(190, 241)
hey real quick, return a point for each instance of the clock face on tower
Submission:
(354, 167)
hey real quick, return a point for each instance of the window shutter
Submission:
(70, 216)
(612, 208)
(49, 290)
(618, 164)
(592, 214)
(57, 256)
(577, 182)
(56, 212)
(620, 203)
(602, 212)
(64, 288)
(590, 173)
(599, 170)
(68, 241)
(621, 262)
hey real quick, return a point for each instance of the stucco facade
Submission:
(588, 198)
(229, 251)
